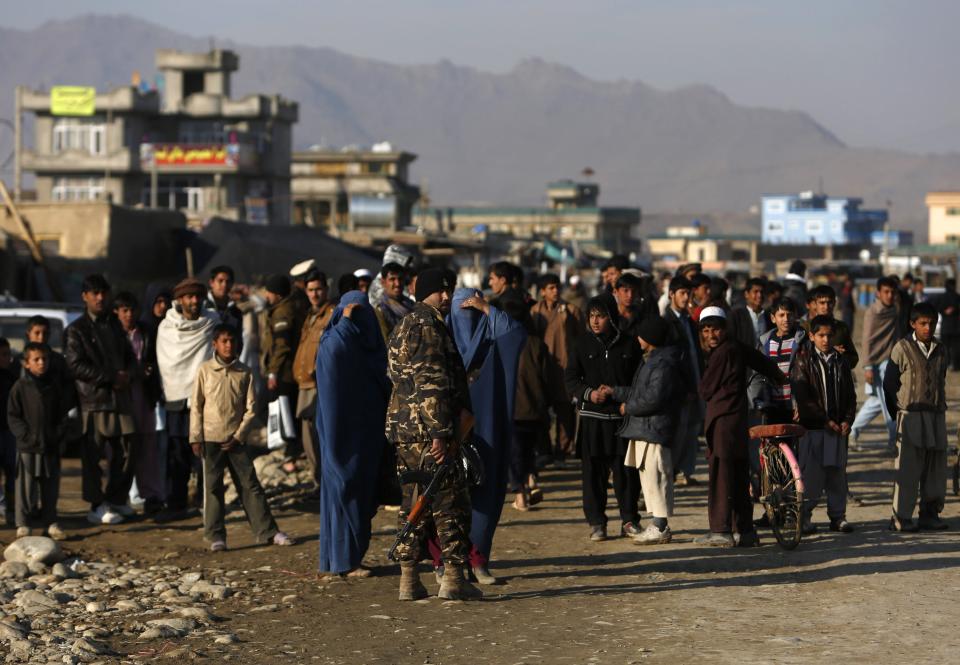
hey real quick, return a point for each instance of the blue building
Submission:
(818, 219)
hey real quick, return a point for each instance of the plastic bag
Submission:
(280, 423)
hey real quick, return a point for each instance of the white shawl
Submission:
(182, 346)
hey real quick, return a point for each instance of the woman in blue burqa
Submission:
(490, 342)
(352, 395)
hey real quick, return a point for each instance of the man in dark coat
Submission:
(948, 306)
(683, 334)
(102, 364)
(602, 358)
(748, 321)
(724, 389)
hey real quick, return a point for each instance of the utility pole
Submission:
(17, 143)
(106, 145)
(886, 239)
(153, 183)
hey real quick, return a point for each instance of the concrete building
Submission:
(353, 191)
(694, 244)
(128, 243)
(572, 215)
(188, 147)
(943, 218)
(808, 218)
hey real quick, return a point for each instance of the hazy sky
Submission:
(875, 72)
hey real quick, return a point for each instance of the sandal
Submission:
(536, 496)
(359, 573)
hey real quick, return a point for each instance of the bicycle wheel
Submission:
(782, 495)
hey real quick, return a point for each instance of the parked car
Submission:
(14, 317)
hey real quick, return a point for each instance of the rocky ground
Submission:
(141, 592)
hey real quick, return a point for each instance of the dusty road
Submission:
(873, 596)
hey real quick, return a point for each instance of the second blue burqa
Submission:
(490, 346)
(352, 395)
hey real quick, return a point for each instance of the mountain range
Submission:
(500, 137)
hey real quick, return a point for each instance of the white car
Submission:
(14, 317)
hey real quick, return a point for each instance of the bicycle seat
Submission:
(785, 431)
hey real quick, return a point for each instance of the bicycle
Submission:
(781, 484)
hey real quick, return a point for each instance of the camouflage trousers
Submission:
(447, 518)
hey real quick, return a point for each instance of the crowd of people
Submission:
(404, 375)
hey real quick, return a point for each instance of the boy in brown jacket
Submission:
(220, 419)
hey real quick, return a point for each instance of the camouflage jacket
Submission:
(429, 382)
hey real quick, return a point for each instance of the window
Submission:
(76, 134)
(175, 194)
(195, 198)
(77, 189)
(814, 226)
(953, 211)
(775, 228)
(775, 206)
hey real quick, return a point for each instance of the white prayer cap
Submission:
(302, 268)
(712, 313)
(361, 273)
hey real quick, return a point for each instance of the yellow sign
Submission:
(72, 100)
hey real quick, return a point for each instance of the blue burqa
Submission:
(352, 395)
(490, 346)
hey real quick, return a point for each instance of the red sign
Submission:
(174, 154)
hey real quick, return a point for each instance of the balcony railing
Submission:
(79, 161)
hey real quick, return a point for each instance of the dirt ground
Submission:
(872, 596)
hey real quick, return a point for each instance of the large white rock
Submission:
(13, 570)
(37, 549)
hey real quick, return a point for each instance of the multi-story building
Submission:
(353, 190)
(818, 219)
(572, 215)
(943, 220)
(187, 146)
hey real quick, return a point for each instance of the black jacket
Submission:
(740, 325)
(35, 413)
(652, 403)
(95, 352)
(147, 372)
(7, 378)
(690, 367)
(595, 360)
(949, 323)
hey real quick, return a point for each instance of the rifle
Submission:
(433, 483)
(423, 501)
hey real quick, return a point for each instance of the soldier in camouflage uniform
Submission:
(429, 393)
(279, 341)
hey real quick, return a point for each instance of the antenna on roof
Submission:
(213, 46)
(820, 185)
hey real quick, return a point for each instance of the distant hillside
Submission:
(485, 137)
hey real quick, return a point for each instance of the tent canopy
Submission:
(255, 252)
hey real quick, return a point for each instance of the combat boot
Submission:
(411, 588)
(456, 587)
